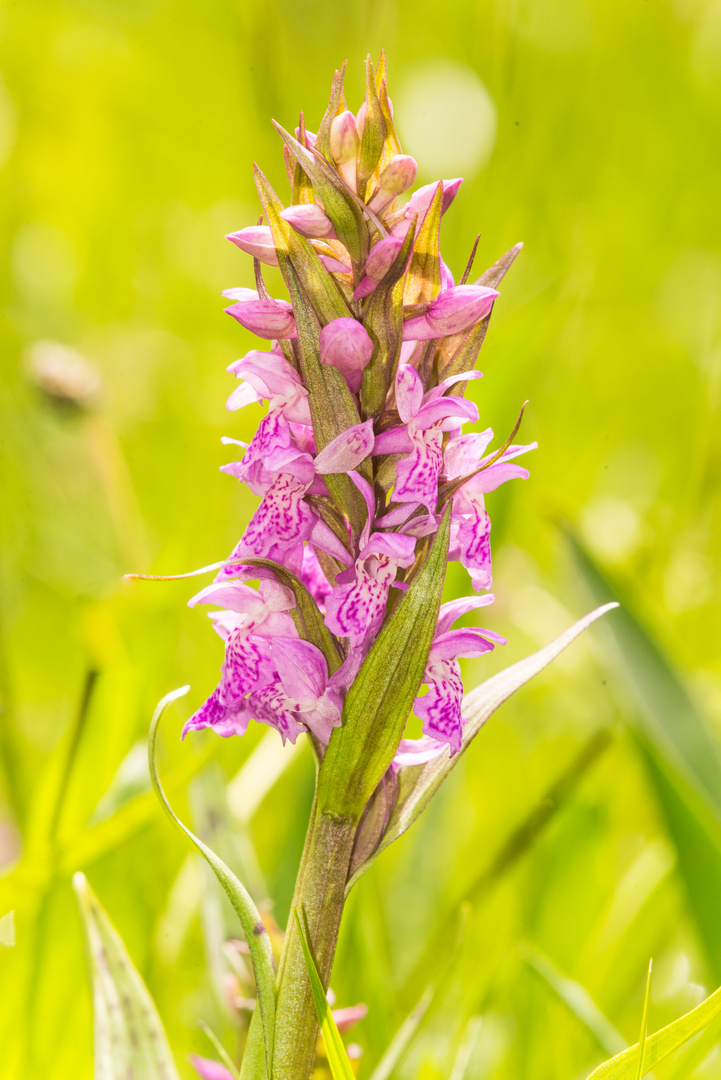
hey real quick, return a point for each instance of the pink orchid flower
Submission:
(425, 417)
(356, 605)
(470, 524)
(440, 707)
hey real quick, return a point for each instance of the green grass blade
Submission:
(412, 1024)
(338, 1061)
(255, 932)
(577, 1000)
(680, 753)
(658, 1046)
(670, 718)
(129, 1035)
(644, 1024)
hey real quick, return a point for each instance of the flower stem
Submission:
(319, 897)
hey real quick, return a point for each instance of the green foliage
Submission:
(338, 1062)
(129, 1037)
(254, 929)
(638, 1060)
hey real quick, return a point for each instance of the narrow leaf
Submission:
(306, 614)
(644, 1024)
(577, 1000)
(255, 933)
(661, 1044)
(671, 719)
(338, 1062)
(465, 354)
(679, 751)
(424, 274)
(420, 782)
(381, 697)
(341, 209)
(128, 1033)
(411, 1026)
(315, 279)
(374, 133)
(335, 106)
(331, 405)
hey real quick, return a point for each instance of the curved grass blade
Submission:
(680, 752)
(129, 1037)
(412, 1024)
(658, 1046)
(420, 782)
(255, 932)
(577, 1000)
(644, 1024)
(340, 1066)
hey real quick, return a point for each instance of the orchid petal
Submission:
(417, 474)
(394, 441)
(347, 450)
(409, 392)
(440, 708)
(469, 641)
(454, 609)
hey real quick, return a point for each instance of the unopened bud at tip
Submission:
(344, 141)
(309, 220)
(398, 175)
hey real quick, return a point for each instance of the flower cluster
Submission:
(363, 445)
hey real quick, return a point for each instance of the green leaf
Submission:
(255, 933)
(306, 614)
(340, 207)
(327, 301)
(644, 1025)
(129, 1037)
(680, 753)
(384, 323)
(424, 274)
(381, 697)
(658, 1046)
(335, 106)
(419, 783)
(338, 1062)
(374, 133)
(331, 405)
(465, 356)
(577, 1000)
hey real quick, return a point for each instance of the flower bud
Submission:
(398, 175)
(266, 318)
(381, 257)
(344, 141)
(455, 310)
(256, 240)
(360, 119)
(378, 264)
(344, 146)
(346, 345)
(420, 201)
(309, 219)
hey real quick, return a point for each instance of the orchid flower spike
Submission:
(368, 479)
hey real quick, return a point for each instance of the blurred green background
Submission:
(591, 131)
